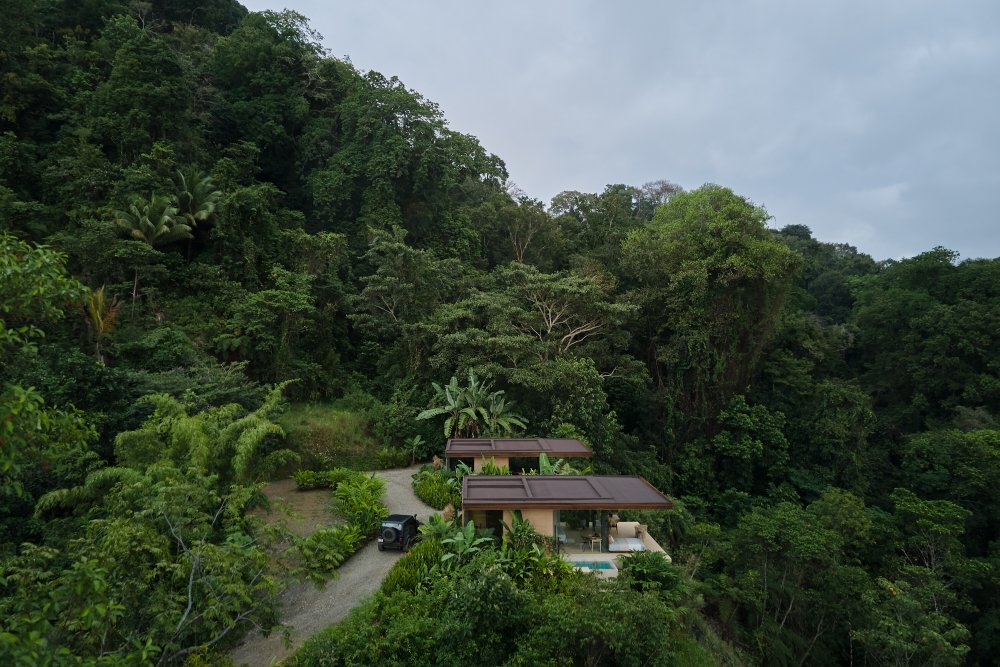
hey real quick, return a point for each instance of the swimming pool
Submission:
(594, 564)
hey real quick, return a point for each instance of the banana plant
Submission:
(472, 410)
(437, 528)
(451, 402)
(462, 545)
(500, 420)
(414, 444)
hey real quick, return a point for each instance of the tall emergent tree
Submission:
(711, 282)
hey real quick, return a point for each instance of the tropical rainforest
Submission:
(205, 218)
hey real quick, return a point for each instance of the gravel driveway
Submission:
(307, 609)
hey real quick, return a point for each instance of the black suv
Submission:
(398, 531)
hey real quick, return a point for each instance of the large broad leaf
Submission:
(432, 412)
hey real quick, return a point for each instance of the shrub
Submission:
(650, 571)
(391, 457)
(311, 479)
(326, 549)
(414, 568)
(359, 500)
(535, 569)
(436, 489)
(308, 479)
(337, 476)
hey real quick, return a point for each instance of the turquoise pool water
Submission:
(594, 564)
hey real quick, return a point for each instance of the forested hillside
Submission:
(203, 214)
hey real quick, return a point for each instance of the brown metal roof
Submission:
(526, 447)
(610, 492)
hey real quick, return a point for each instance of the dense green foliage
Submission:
(440, 603)
(198, 204)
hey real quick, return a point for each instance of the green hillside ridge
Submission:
(226, 255)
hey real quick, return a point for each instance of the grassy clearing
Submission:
(326, 435)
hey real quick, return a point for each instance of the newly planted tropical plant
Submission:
(437, 528)
(359, 500)
(491, 468)
(559, 467)
(414, 445)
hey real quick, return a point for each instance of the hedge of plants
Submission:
(437, 488)
(327, 549)
(307, 480)
(414, 568)
(391, 457)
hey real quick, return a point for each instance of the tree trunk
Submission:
(135, 292)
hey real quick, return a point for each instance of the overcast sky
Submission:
(875, 123)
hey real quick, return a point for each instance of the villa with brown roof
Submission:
(491, 502)
(501, 450)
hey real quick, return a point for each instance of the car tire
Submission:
(381, 548)
(389, 535)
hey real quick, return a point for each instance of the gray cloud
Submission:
(874, 122)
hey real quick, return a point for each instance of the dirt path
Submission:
(307, 609)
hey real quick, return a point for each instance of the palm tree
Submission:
(103, 315)
(155, 221)
(197, 198)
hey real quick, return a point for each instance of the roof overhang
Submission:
(515, 492)
(516, 447)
